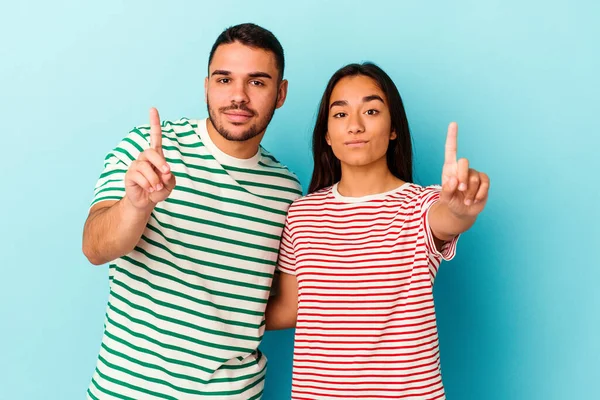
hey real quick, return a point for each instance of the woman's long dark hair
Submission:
(327, 169)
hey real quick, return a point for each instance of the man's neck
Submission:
(242, 150)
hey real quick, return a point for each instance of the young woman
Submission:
(360, 252)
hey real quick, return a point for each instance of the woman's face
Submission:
(359, 126)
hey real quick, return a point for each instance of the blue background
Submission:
(518, 309)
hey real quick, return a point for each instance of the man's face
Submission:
(243, 90)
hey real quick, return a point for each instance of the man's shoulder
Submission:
(181, 127)
(269, 162)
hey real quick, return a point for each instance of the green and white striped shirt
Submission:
(186, 307)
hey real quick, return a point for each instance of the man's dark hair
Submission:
(251, 35)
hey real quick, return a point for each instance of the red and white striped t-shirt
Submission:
(365, 268)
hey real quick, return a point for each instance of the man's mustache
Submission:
(241, 107)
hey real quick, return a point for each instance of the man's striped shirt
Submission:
(186, 307)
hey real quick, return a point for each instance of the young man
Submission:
(189, 214)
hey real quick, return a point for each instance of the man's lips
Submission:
(238, 116)
(240, 113)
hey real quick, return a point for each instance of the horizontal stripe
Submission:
(221, 239)
(243, 217)
(176, 321)
(234, 228)
(183, 309)
(209, 250)
(173, 349)
(228, 199)
(190, 285)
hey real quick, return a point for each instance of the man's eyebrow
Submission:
(257, 74)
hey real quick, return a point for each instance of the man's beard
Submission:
(252, 132)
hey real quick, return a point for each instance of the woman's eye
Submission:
(372, 112)
(339, 115)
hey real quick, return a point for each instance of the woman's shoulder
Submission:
(317, 198)
(414, 190)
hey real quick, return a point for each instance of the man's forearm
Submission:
(113, 231)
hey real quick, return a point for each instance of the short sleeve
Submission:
(111, 184)
(287, 259)
(427, 198)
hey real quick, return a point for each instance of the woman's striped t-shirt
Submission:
(365, 267)
(186, 307)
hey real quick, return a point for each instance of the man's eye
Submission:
(224, 80)
(257, 83)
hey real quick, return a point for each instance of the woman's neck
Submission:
(359, 181)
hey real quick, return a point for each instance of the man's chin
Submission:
(236, 138)
(237, 128)
(235, 134)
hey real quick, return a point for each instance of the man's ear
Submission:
(282, 93)
(206, 90)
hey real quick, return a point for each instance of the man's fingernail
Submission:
(159, 187)
(165, 168)
(462, 187)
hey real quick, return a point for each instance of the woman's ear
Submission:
(327, 139)
(393, 135)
